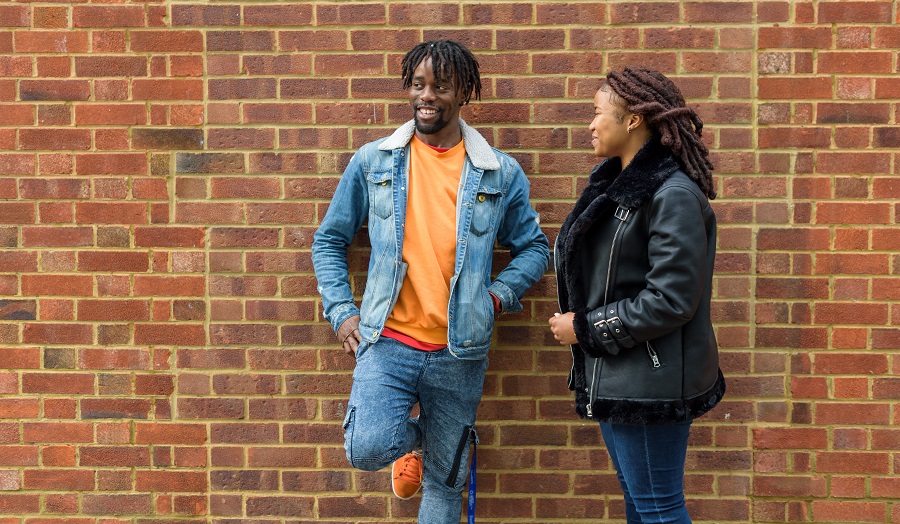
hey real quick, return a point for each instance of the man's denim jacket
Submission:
(492, 204)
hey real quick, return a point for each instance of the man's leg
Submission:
(650, 464)
(450, 392)
(377, 428)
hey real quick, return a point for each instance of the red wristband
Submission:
(497, 305)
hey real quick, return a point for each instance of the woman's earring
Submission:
(629, 130)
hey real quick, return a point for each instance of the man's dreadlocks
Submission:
(450, 60)
(649, 93)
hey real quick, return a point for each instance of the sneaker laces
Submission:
(412, 471)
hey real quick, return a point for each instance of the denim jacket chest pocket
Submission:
(488, 200)
(381, 193)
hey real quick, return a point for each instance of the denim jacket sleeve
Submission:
(346, 214)
(519, 231)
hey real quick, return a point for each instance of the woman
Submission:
(634, 264)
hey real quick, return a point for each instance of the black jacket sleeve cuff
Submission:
(583, 332)
(608, 330)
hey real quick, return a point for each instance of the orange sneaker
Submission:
(406, 475)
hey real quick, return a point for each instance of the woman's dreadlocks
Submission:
(450, 60)
(649, 93)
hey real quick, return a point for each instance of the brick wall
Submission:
(163, 166)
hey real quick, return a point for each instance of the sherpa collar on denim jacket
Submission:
(479, 151)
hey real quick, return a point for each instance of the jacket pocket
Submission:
(486, 200)
(381, 194)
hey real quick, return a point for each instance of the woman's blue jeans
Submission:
(649, 461)
(389, 379)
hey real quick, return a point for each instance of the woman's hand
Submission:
(563, 328)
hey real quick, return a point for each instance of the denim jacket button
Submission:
(481, 198)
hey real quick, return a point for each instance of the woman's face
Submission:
(609, 128)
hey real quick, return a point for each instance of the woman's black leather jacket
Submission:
(634, 262)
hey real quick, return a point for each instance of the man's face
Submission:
(435, 102)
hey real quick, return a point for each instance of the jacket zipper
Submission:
(654, 357)
(612, 251)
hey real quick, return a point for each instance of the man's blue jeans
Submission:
(649, 461)
(389, 379)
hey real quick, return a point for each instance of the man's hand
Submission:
(349, 335)
(563, 328)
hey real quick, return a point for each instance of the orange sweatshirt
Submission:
(429, 243)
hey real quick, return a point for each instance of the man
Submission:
(435, 197)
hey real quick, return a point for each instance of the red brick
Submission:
(855, 62)
(852, 414)
(110, 213)
(827, 263)
(108, 16)
(102, 358)
(17, 164)
(312, 40)
(852, 113)
(794, 88)
(118, 310)
(52, 236)
(124, 504)
(206, 15)
(154, 384)
(55, 139)
(847, 213)
(643, 12)
(802, 137)
(792, 288)
(94, 66)
(185, 286)
(167, 89)
(20, 358)
(795, 37)
(164, 335)
(790, 438)
(854, 12)
(171, 236)
(279, 15)
(11, 408)
(15, 16)
(51, 41)
(208, 213)
(59, 480)
(20, 504)
(45, 333)
(21, 115)
(240, 41)
(166, 433)
(113, 261)
(106, 114)
(679, 37)
(170, 481)
(57, 432)
(363, 13)
(106, 456)
(166, 41)
(243, 334)
(852, 462)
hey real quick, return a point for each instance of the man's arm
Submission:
(520, 232)
(346, 214)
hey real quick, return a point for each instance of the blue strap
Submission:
(472, 486)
